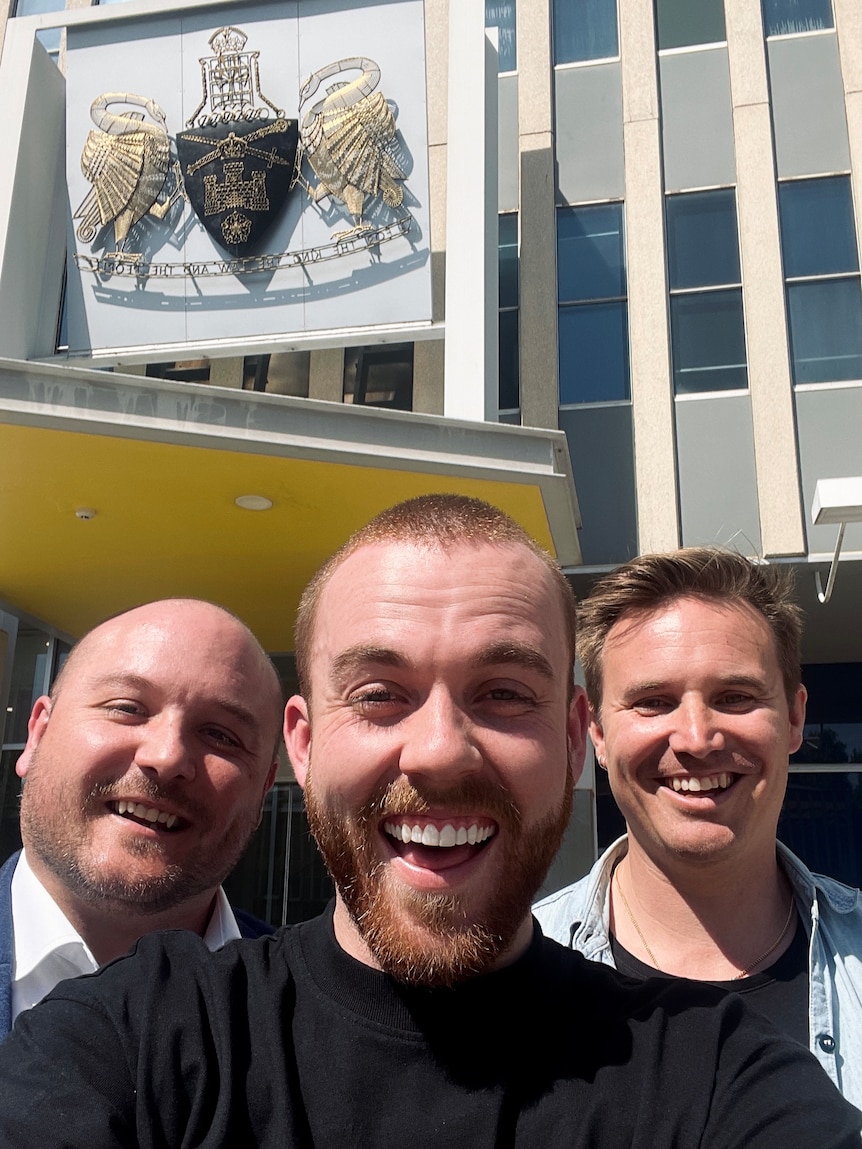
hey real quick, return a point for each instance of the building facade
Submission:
(679, 203)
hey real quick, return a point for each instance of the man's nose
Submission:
(438, 741)
(696, 729)
(163, 749)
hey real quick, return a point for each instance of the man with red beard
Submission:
(438, 735)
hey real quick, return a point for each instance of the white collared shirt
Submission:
(48, 949)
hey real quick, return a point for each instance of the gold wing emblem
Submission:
(347, 137)
(127, 162)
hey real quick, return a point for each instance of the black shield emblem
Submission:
(237, 175)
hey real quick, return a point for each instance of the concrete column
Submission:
(649, 332)
(848, 27)
(470, 381)
(326, 375)
(538, 352)
(428, 354)
(226, 372)
(772, 406)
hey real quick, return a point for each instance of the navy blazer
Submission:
(249, 927)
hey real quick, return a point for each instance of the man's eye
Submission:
(372, 697)
(127, 709)
(216, 734)
(651, 705)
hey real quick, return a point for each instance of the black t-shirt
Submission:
(287, 1041)
(780, 992)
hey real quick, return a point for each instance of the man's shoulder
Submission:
(560, 912)
(250, 926)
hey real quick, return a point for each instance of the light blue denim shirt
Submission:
(578, 917)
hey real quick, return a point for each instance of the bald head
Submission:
(147, 768)
(181, 615)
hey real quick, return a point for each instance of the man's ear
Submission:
(577, 732)
(597, 735)
(39, 716)
(297, 736)
(797, 718)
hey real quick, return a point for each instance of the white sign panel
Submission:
(194, 216)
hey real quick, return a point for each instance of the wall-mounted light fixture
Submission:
(835, 501)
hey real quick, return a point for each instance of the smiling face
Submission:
(145, 776)
(440, 752)
(696, 731)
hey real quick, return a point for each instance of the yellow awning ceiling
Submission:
(166, 521)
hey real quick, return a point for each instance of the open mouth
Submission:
(149, 816)
(438, 844)
(700, 785)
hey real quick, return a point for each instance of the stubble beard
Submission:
(61, 843)
(427, 939)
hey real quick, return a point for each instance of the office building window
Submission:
(282, 373)
(510, 395)
(585, 30)
(50, 38)
(707, 329)
(181, 370)
(682, 24)
(821, 271)
(500, 14)
(593, 313)
(784, 17)
(379, 376)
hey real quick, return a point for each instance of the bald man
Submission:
(145, 773)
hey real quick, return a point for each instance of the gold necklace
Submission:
(737, 977)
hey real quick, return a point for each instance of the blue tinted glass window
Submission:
(681, 23)
(508, 251)
(510, 394)
(501, 14)
(584, 30)
(818, 236)
(702, 241)
(594, 353)
(708, 339)
(37, 7)
(590, 253)
(781, 17)
(825, 330)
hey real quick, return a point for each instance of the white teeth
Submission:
(448, 837)
(147, 813)
(429, 835)
(696, 785)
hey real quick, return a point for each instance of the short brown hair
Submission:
(650, 582)
(436, 521)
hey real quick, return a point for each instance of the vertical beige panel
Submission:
(428, 356)
(649, 336)
(848, 27)
(226, 372)
(6, 9)
(326, 375)
(775, 447)
(537, 223)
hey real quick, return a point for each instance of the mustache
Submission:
(143, 787)
(471, 796)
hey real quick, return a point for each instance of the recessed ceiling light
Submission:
(253, 502)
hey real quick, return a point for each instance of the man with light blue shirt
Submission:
(693, 676)
(145, 773)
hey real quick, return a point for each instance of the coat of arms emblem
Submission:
(237, 156)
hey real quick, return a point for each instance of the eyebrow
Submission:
(356, 658)
(137, 682)
(657, 686)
